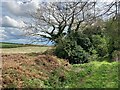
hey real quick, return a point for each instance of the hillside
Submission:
(45, 71)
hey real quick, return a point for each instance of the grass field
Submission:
(10, 45)
(21, 48)
(29, 49)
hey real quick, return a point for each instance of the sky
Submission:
(12, 15)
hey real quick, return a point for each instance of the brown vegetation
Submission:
(18, 67)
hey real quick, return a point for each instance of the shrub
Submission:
(101, 45)
(70, 48)
(79, 48)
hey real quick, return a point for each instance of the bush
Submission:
(101, 45)
(70, 48)
(79, 48)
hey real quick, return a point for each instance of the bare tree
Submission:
(54, 20)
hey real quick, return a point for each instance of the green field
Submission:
(10, 45)
(21, 48)
(15, 45)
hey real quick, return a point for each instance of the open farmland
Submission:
(21, 48)
(10, 45)
(29, 49)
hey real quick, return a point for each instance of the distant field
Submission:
(28, 49)
(21, 48)
(10, 45)
(15, 45)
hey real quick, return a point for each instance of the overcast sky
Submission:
(12, 14)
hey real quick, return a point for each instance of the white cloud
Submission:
(3, 35)
(19, 8)
(10, 22)
(10, 33)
